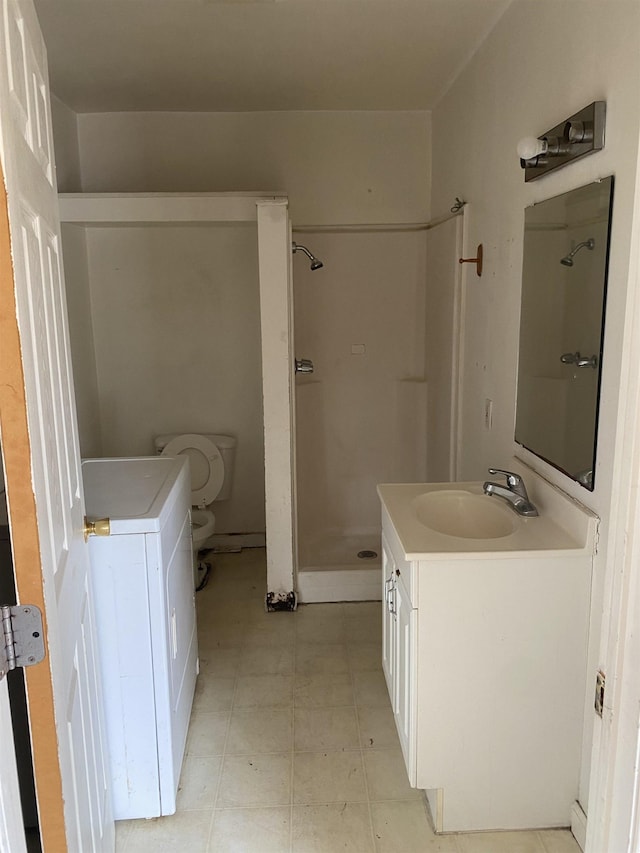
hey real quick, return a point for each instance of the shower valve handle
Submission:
(304, 365)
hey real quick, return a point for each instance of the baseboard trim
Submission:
(434, 798)
(315, 585)
(579, 824)
(231, 542)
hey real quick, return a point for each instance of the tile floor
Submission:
(292, 746)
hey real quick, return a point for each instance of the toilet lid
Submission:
(206, 465)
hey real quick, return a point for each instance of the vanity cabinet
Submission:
(484, 655)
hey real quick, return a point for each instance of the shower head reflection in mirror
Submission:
(568, 259)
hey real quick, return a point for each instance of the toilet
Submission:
(211, 459)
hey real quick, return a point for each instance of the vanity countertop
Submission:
(563, 528)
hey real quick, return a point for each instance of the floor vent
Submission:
(367, 555)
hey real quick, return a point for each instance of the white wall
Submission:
(336, 167)
(176, 334)
(65, 131)
(74, 245)
(537, 67)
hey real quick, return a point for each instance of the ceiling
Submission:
(243, 55)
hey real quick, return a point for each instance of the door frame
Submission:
(614, 799)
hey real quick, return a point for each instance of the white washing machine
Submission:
(145, 612)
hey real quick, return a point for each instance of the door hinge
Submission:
(599, 698)
(21, 639)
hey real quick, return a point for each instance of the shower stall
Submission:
(377, 323)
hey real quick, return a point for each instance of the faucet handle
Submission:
(513, 479)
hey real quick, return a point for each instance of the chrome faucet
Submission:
(515, 492)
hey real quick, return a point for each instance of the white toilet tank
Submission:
(226, 445)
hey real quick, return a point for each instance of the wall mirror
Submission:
(564, 282)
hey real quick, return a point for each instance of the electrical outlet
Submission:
(488, 413)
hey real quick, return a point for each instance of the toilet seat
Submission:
(206, 465)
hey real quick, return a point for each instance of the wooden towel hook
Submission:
(477, 260)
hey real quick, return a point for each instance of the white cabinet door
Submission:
(388, 620)
(405, 676)
(399, 625)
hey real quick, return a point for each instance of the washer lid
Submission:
(206, 465)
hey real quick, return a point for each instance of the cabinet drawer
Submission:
(403, 568)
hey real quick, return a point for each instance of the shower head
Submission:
(315, 263)
(567, 261)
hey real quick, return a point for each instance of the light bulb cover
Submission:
(530, 147)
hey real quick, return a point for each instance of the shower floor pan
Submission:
(331, 570)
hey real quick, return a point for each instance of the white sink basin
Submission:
(464, 515)
(455, 520)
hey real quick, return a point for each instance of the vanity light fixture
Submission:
(580, 134)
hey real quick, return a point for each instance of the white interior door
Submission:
(26, 153)
(11, 831)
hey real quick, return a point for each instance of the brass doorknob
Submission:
(97, 527)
